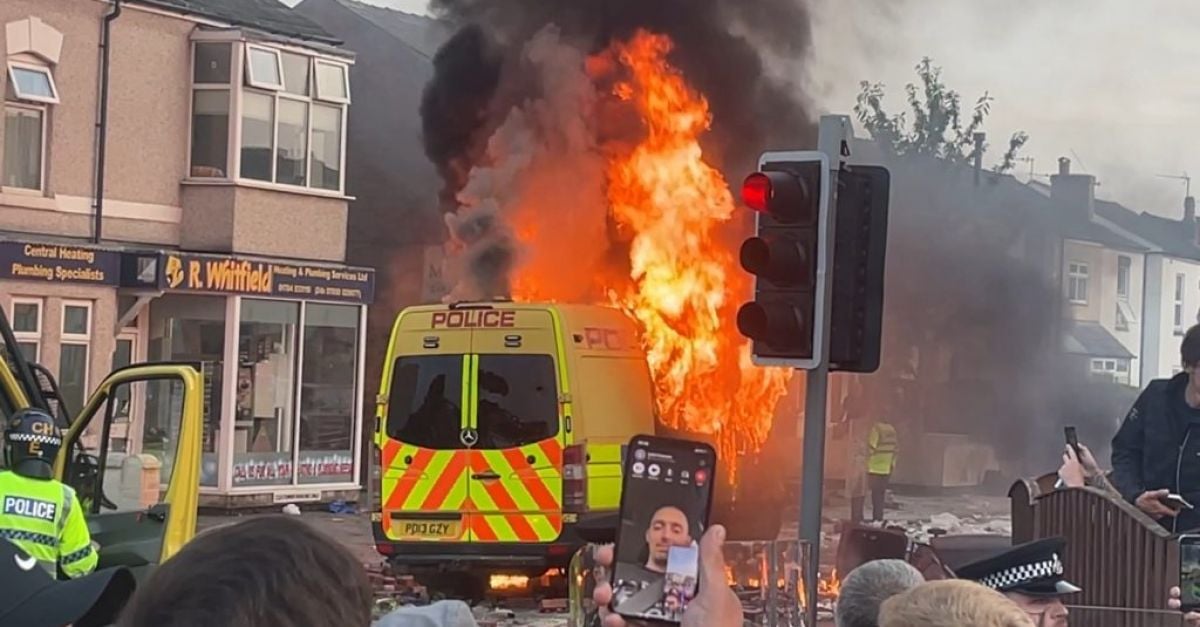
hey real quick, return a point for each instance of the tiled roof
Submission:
(423, 34)
(1093, 340)
(1171, 235)
(269, 16)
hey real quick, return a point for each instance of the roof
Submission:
(1093, 340)
(423, 34)
(270, 16)
(1113, 234)
(1171, 235)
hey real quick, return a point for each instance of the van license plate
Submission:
(427, 529)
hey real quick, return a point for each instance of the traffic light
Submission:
(860, 245)
(785, 319)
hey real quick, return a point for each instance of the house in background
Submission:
(217, 235)
(1102, 274)
(1172, 283)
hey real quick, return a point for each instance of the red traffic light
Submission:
(756, 191)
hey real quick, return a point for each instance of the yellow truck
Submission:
(140, 501)
(500, 429)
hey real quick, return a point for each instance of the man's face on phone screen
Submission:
(668, 528)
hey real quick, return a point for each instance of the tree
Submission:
(937, 126)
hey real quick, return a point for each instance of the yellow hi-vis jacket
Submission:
(43, 517)
(882, 445)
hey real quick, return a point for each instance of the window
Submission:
(1122, 323)
(292, 115)
(24, 146)
(265, 414)
(517, 400)
(31, 82)
(1116, 370)
(424, 406)
(211, 78)
(1123, 269)
(1178, 313)
(73, 356)
(27, 326)
(1077, 282)
(263, 68)
(328, 389)
(332, 83)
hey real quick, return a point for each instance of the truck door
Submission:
(423, 450)
(516, 464)
(140, 492)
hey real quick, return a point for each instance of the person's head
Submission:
(1189, 352)
(264, 572)
(33, 598)
(33, 441)
(868, 586)
(1031, 575)
(668, 527)
(951, 603)
(1045, 610)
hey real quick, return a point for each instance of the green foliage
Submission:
(937, 128)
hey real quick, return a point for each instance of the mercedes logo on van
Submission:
(469, 437)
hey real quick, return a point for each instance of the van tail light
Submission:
(384, 548)
(575, 479)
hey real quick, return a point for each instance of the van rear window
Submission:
(425, 402)
(518, 400)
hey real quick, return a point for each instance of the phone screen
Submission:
(664, 510)
(1072, 438)
(1189, 571)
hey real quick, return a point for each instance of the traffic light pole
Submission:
(833, 140)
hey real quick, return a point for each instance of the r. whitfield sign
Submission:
(59, 263)
(253, 277)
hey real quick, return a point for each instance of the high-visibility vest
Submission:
(882, 445)
(43, 518)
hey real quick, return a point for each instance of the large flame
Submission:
(685, 284)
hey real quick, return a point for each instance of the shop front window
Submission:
(191, 329)
(265, 409)
(327, 394)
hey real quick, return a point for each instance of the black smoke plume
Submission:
(720, 46)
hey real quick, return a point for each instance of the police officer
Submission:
(881, 461)
(39, 514)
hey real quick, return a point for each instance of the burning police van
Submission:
(500, 427)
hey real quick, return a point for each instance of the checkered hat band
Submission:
(1024, 573)
(51, 440)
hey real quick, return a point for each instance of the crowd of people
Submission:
(278, 571)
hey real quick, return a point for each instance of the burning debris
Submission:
(582, 165)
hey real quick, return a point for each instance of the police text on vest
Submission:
(30, 508)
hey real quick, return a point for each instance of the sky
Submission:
(1113, 85)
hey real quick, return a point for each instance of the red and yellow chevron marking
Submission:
(435, 481)
(525, 504)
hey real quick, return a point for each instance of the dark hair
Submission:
(1190, 348)
(264, 572)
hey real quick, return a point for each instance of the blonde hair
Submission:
(952, 603)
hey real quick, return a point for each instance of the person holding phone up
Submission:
(1156, 452)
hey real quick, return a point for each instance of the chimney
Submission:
(1189, 218)
(979, 138)
(1076, 193)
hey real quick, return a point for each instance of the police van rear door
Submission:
(139, 486)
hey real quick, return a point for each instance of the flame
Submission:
(830, 587)
(684, 284)
(508, 582)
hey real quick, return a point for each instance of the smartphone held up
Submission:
(665, 503)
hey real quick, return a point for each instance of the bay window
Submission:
(289, 109)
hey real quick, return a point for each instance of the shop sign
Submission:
(277, 468)
(216, 274)
(59, 263)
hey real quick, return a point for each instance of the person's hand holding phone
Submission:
(715, 604)
(1151, 502)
